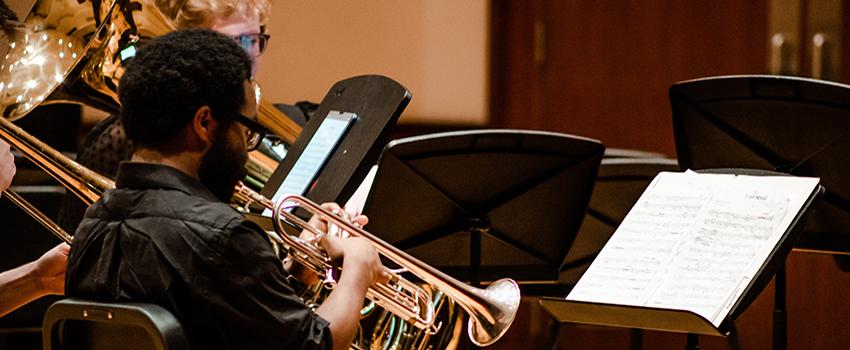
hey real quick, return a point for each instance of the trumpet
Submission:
(491, 311)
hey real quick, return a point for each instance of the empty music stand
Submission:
(485, 204)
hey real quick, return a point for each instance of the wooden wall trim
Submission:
(514, 78)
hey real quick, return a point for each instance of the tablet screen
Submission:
(317, 152)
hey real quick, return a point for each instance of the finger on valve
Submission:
(320, 224)
(333, 246)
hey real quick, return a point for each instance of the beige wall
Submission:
(435, 48)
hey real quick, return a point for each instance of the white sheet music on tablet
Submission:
(694, 242)
(315, 154)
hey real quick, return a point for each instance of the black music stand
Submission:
(622, 177)
(682, 321)
(619, 184)
(791, 125)
(485, 204)
(630, 153)
(378, 102)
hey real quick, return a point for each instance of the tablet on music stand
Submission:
(791, 125)
(485, 204)
(341, 142)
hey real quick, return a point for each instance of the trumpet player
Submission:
(166, 234)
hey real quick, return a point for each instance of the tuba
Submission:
(72, 51)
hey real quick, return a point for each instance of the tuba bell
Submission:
(69, 51)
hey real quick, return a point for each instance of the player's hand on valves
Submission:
(358, 257)
(299, 271)
(335, 209)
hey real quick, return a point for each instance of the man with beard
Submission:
(166, 234)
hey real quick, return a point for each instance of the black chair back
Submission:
(82, 324)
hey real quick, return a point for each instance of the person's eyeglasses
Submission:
(254, 43)
(254, 132)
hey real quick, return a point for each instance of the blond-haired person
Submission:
(243, 20)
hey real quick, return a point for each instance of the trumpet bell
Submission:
(503, 297)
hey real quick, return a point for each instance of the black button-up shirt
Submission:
(161, 237)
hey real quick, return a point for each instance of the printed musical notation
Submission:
(694, 242)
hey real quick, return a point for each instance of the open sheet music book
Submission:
(694, 242)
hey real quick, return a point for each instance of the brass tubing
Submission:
(491, 310)
(36, 214)
(83, 182)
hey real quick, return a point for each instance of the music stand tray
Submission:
(485, 204)
(787, 124)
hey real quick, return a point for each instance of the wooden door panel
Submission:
(607, 64)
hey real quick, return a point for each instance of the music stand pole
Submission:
(477, 227)
(692, 342)
(780, 315)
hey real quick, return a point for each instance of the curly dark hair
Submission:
(174, 75)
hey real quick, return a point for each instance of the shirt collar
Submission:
(151, 176)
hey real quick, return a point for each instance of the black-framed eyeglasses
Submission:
(254, 132)
(253, 43)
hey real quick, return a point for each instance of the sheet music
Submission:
(354, 205)
(694, 242)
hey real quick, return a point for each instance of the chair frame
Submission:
(162, 327)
